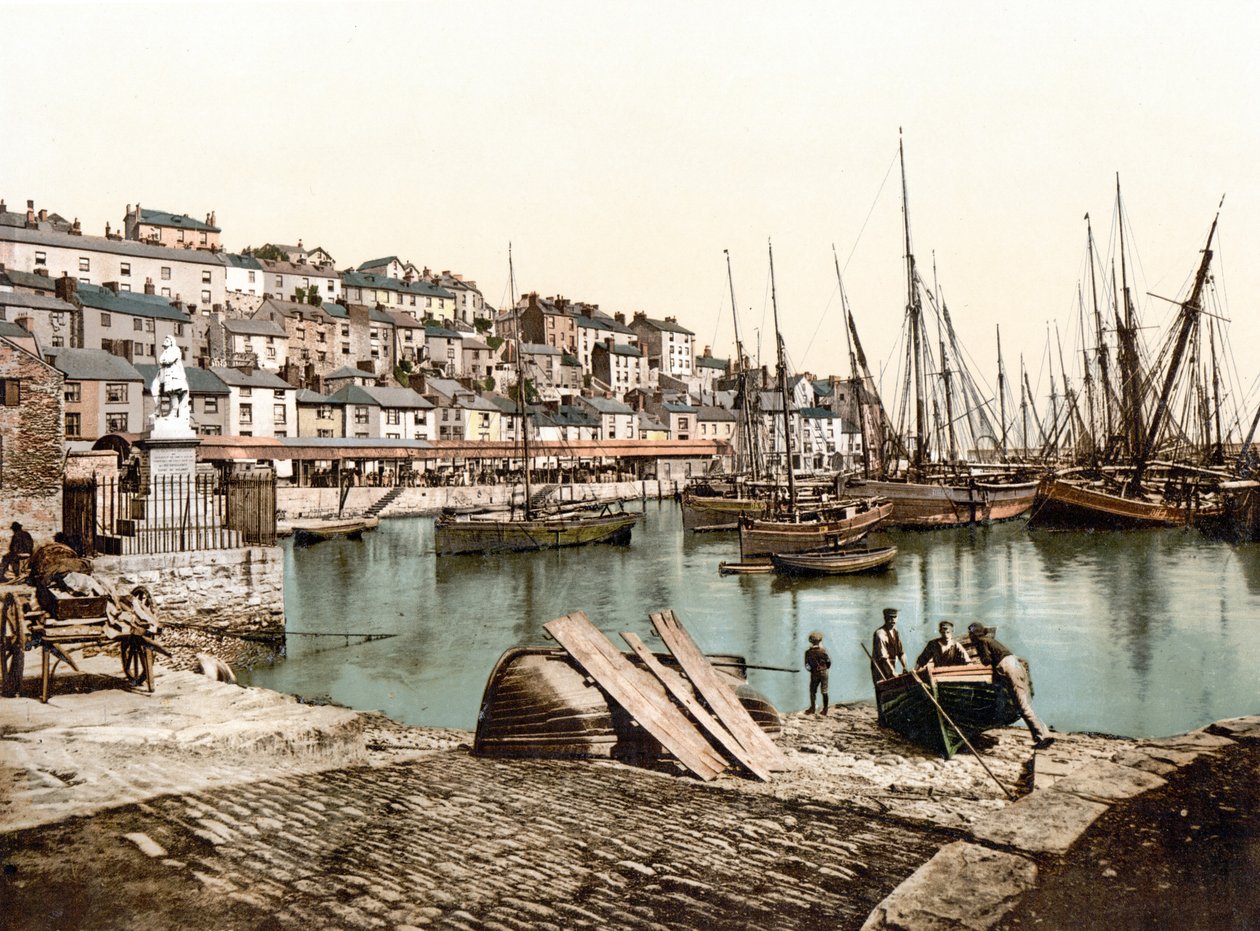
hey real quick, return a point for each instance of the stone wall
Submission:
(31, 434)
(238, 591)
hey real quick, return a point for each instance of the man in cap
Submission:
(886, 648)
(20, 549)
(818, 663)
(944, 650)
(1008, 666)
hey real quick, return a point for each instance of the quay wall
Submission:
(237, 591)
(296, 503)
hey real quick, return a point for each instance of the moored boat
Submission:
(973, 701)
(308, 532)
(927, 505)
(834, 526)
(837, 562)
(474, 533)
(540, 704)
(1063, 505)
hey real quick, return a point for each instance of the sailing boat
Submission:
(926, 490)
(533, 528)
(793, 529)
(1119, 498)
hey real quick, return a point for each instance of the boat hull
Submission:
(836, 527)
(1238, 519)
(845, 563)
(968, 694)
(311, 532)
(703, 513)
(1061, 505)
(927, 506)
(540, 704)
(456, 536)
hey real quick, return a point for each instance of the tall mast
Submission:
(1104, 364)
(783, 393)
(1187, 320)
(745, 413)
(855, 381)
(914, 314)
(1001, 394)
(1129, 365)
(520, 383)
(1092, 431)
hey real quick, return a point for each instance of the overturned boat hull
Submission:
(540, 704)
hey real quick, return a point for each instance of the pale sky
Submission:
(621, 147)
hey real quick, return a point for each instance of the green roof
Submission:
(129, 302)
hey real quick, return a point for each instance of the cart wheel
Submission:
(12, 645)
(132, 660)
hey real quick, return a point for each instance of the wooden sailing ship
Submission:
(1137, 490)
(533, 528)
(833, 526)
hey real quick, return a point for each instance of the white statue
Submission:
(171, 382)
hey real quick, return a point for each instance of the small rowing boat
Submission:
(308, 532)
(834, 562)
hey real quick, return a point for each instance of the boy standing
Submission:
(818, 663)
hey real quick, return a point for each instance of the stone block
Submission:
(964, 886)
(1044, 822)
(1105, 781)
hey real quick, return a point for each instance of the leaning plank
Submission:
(637, 692)
(716, 694)
(683, 694)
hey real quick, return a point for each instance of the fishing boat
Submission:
(532, 528)
(837, 562)
(915, 705)
(835, 526)
(930, 505)
(310, 532)
(1065, 505)
(540, 704)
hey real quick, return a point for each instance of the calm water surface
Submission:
(1143, 634)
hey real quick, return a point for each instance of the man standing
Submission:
(944, 650)
(20, 548)
(991, 652)
(886, 649)
(818, 663)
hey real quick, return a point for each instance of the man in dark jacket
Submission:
(819, 664)
(1006, 665)
(20, 549)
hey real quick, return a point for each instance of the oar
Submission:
(958, 730)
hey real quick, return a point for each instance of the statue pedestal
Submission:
(167, 457)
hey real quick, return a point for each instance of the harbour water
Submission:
(1140, 634)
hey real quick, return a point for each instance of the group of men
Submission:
(887, 651)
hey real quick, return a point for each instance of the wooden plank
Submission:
(638, 692)
(720, 697)
(682, 692)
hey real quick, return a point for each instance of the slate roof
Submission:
(539, 349)
(20, 279)
(92, 365)
(604, 323)
(258, 378)
(402, 398)
(282, 267)
(608, 405)
(162, 218)
(358, 279)
(34, 301)
(233, 260)
(377, 263)
(135, 303)
(711, 413)
(307, 396)
(112, 246)
(253, 326)
(675, 408)
(709, 362)
(348, 371)
(666, 325)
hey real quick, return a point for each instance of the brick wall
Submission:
(31, 445)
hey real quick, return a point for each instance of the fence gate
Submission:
(252, 508)
(78, 514)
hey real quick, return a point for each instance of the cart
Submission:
(58, 624)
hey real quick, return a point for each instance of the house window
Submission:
(278, 414)
(179, 329)
(124, 269)
(85, 264)
(181, 235)
(419, 419)
(280, 282)
(345, 330)
(203, 239)
(166, 273)
(205, 277)
(330, 287)
(166, 292)
(58, 340)
(321, 337)
(148, 326)
(116, 423)
(251, 277)
(247, 413)
(393, 416)
(278, 393)
(124, 286)
(324, 432)
(10, 392)
(104, 319)
(74, 424)
(360, 415)
(138, 325)
(41, 258)
(210, 405)
(116, 392)
(205, 297)
(208, 429)
(345, 349)
(324, 412)
(247, 392)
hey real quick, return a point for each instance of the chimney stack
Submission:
(66, 288)
(30, 213)
(148, 286)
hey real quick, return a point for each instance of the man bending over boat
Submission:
(991, 652)
(944, 650)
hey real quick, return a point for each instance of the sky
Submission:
(622, 147)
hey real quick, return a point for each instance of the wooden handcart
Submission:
(58, 624)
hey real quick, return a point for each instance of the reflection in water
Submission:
(1141, 634)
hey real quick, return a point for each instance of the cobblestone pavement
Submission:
(458, 842)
